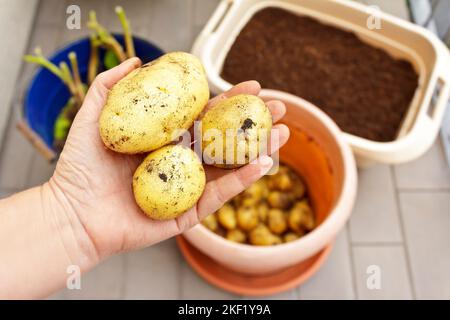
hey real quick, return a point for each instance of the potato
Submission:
(257, 191)
(211, 222)
(168, 182)
(276, 221)
(263, 211)
(279, 200)
(150, 106)
(233, 129)
(236, 235)
(290, 236)
(247, 218)
(227, 217)
(283, 182)
(301, 217)
(261, 236)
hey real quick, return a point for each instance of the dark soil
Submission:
(365, 90)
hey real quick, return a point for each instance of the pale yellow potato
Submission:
(301, 217)
(169, 182)
(227, 217)
(247, 218)
(263, 212)
(151, 106)
(290, 236)
(261, 236)
(247, 120)
(211, 222)
(276, 221)
(236, 235)
(279, 200)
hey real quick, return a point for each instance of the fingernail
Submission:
(266, 164)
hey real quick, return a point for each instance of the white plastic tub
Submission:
(429, 56)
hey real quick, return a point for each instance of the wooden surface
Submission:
(401, 221)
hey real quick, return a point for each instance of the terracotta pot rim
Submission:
(343, 204)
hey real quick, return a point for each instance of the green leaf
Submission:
(110, 60)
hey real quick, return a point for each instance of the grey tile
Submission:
(16, 21)
(428, 172)
(174, 33)
(40, 170)
(426, 218)
(104, 11)
(392, 266)
(375, 216)
(396, 8)
(195, 287)
(52, 13)
(15, 158)
(154, 272)
(334, 278)
(104, 282)
(203, 10)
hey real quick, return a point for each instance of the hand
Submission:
(92, 184)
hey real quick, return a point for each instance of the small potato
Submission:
(261, 236)
(211, 222)
(257, 191)
(263, 212)
(247, 218)
(283, 182)
(236, 235)
(151, 105)
(227, 217)
(277, 221)
(168, 182)
(301, 217)
(290, 236)
(249, 202)
(279, 200)
(298, 189)
(233, 131)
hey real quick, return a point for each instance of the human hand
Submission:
(92, 184)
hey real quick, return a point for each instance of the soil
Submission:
(362, 88)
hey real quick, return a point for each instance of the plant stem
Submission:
(44, 62)
(76, 75)
(126, 31)
(105, 37)
(93, 59)
(70, 83)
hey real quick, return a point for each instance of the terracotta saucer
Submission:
(250, 285)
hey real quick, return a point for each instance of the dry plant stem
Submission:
(126, 31)
(93, 60)
(70, 83)
(105, 37)
(76, 75)
(61, 72)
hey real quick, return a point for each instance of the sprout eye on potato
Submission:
(169, 182)
(148, 107)
(271, 211)
(235, 131)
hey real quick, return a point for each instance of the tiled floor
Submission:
(399, 228)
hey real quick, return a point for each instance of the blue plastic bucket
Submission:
(47, 95)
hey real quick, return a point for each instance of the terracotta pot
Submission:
(317, 151)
